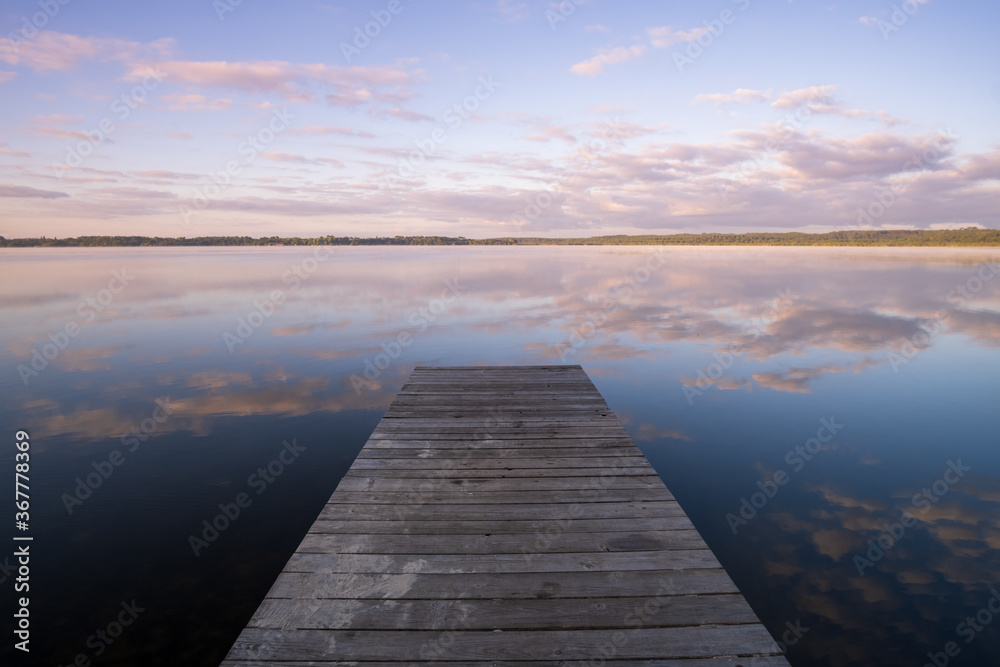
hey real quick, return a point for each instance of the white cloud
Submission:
(399, 114)
(665, 36)
(738, 96)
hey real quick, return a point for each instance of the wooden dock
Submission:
(503, 516)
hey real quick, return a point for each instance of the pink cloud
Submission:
(5, 149)
(982, 166)
(192, 102)
(595, 65)
(878, 153)
(292, 82)
(52, 126)
(50, 50)
(796, 98)
(8, 190)
(320, 130)
(546, 133)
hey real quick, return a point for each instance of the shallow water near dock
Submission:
(827, 417)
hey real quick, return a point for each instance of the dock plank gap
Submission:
(503, 516)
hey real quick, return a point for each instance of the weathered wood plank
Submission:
(755, 661)
(387, 431)
(473, 527)
(496, 453)
(501, 586)
(421, 442)
(375, 484)
(502, 404)
(613, 501)
(380, 464)
(608, 561)
(471, 614)
(552, 645)
(508, 472)
(489, 543)
(538, 419)
(427, 509)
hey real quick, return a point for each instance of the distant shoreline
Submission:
(970, 237)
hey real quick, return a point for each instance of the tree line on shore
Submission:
(968, 236)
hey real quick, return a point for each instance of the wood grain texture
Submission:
(503, 516)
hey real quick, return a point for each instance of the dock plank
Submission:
(502, 516)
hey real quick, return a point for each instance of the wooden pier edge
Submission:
(503, 516)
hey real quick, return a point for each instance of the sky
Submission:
(496, 118)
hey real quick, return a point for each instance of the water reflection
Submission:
(720, 362)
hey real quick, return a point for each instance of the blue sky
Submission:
(576, 118)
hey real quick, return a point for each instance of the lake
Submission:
(827, 417)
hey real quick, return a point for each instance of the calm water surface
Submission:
(827, 417)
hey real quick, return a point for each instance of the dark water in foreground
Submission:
(827, 417)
